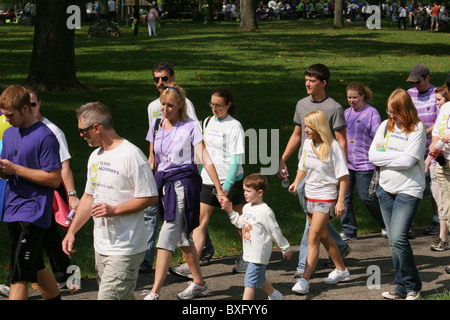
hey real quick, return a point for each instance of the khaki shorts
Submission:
(173, 233)
(443, 176)
(436, 190)
(117, 275)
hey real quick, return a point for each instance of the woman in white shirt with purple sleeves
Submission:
(362, 121)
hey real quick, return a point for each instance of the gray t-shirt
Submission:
(332, 109)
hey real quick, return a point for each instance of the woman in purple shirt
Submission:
(362, 121)
(176, 147)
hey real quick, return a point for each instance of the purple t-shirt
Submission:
(427, 109)
(362, 126)
(175, 148)
(35, 147)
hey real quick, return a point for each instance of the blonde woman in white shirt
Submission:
(324, 166)
(399, 154)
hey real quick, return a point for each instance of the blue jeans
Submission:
(151, 226)
(348, 220)
(304, 244)
(399, 211)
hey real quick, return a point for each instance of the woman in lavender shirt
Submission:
(175, 150)
(362, 121)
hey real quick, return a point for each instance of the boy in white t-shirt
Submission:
(259, 230)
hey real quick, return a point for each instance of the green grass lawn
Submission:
(265, 71)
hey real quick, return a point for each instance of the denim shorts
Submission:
(321, 206)
(255, 275)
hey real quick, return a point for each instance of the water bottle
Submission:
(439, 146)
(285, 181)
(69, 217)
(438, 155)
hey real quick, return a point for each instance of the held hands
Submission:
(222, 197)
(287, 255)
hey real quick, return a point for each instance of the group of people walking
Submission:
(192, 169)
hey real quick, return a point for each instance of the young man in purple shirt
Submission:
(423, 97)
(30, 161)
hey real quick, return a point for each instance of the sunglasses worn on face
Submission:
(84, 130)
(163, 78)
(33, 104)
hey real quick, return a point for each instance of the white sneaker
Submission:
(301, 286)
(384, 233)
(193, 291)
(181, 271)
(4, 290)
(276, 295)
(150, 295)
(413, 295)
(337, 276)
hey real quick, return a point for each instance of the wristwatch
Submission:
(72, 193)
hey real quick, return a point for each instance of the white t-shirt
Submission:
(322, 178)
(259, 230)
(223, 139)
(442, 127)
(63, 147)
(114, 177)
(154, 110)
(411, 180)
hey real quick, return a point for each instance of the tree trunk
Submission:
(338, 14)
(52, 65)
(248, 16)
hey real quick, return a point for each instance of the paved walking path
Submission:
(368, 250)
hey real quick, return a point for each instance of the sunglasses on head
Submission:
(163, 78)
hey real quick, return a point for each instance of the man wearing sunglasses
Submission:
(119, 186)
(163, 73)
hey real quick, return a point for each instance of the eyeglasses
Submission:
(215, 105)
(163, 78)
(84, 130)
(390, 112)
(33, 104)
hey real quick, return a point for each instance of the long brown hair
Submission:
(404, 109)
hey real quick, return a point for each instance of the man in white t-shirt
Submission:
(119, 186)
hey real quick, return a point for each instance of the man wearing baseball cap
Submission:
(422, 95)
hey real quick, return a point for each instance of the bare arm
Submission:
(67, 178)
(293, 144)
(341, 138)
(127, 207)
(37, 176)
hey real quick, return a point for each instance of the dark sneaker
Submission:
(433, 229)
(205, 259)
